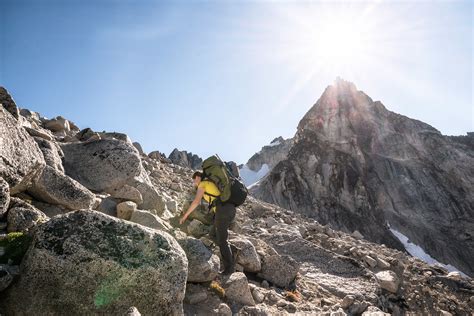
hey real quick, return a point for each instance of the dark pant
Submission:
(225, 214)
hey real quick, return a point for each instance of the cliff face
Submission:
(358, 166)
(271, 154)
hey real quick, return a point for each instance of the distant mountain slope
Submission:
(263, 161)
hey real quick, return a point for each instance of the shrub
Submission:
(15, 246)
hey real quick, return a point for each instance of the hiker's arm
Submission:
(194, 204)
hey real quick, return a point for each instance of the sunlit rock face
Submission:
(357, 166)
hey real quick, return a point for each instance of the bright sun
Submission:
(337, 42)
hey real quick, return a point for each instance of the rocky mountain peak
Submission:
(185, 159)
(356, 165)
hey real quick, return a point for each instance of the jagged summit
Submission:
(185, 159)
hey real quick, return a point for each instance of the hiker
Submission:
(224, 214)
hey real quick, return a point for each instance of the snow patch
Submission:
(251, 177)
(418, 252)
(275, 143)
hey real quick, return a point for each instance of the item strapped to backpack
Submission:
(231, 188)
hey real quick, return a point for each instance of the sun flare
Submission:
(337, 42)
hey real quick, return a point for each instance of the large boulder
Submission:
(237, 289)
(102, 165)
(58, 124)
(23, 217)
(388, 280)
(247, 255)
(152, 200)
(4, 197)
(91, 263)
(127, 192)
(20, 157)
(148, 219)
(281, 270)
(55, 187)
(203, 264)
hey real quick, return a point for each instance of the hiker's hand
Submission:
(183, 219)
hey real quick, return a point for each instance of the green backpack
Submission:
(232, 189)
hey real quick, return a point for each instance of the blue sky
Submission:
(230, 76)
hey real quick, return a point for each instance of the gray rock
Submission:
(195, 293)
(197, 229)
(280, 270)
(108, 206)
(86, 134)
(185, 159)
(52, 153)
(102, 165)
(50, 210)
(148, 219)
(237, 289)
(138, 147)
(370, 261)
(374, 311)
(152, 200)
(5, 279)
(224, 310)
(356, 234)
(388, 280)
(40, 133)
(23, 217)
(114, 135)
(247, 255)
(55, 187)
(4, 197)
(126, 209)
(58, 124)
(203, 265)
(382, 264)
(127, 192)
(8, 103)
(133, 311)
(156, 155)
(291, 308)
(86, 256)
(172, 206)
(454, 275)
(20, 157)
(258, 295)
(347, 301)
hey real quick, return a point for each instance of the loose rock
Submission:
(126, 209)
(237, 289)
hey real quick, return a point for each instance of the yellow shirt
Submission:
(211, 188)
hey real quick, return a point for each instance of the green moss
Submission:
(15, 245)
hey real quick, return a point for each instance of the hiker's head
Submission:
(197, 177)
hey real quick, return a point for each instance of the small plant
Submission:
(217, 288)
(15, 246)
(293, 296)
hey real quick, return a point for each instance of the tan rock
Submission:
(126, 209)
